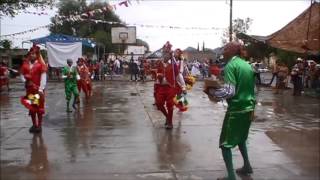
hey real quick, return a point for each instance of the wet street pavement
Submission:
(119, 134)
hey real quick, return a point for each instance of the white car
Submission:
(263, 70)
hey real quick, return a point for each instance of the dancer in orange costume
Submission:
(85, 82)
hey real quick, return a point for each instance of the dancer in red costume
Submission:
(180, 100)
(4, 75)
(85, 81)
(34, 75)
(169, 83)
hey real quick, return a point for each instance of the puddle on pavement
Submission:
(301, 145)
(266, 103)
(133, 94)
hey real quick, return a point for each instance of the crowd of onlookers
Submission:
(305, 74)
(199, 69)
(110, 67)
(138, 69)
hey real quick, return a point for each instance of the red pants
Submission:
(4, 82)
(35, 111)
(85, 85)
(164, 95)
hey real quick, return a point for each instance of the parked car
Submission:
(262, 68)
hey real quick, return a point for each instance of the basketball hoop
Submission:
(123, 35)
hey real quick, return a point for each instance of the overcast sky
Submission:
(268, 17)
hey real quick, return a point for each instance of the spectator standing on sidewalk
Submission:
(4, 75)
(282, 75)
(296, 77)
(117, 65)
(314, 75)
(274, 73)
(142, 70)
(134, 69)
(101, 64)
(257, 72)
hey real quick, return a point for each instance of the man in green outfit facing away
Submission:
(238, 90)
(70, 76)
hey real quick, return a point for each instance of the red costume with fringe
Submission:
(32, 75)
(4, 79)
(166, 89)
(169, 82)
(85, 81)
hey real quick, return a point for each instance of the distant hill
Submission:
(190, 49)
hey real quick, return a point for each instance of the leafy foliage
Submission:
(100, 32)
(141, 42)
(286, 57)
(5, 44)
(238, 26)
(12, 7)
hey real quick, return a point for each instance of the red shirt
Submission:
(215, 70)
(3, 70)
(33, 72)
(170, 72)
(84, 72)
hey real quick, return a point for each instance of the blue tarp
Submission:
(65, 39)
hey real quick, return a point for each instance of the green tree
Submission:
(100, 32)
(141, 42)
(5, 44)
(286, 57)
(12, 7)
(258, 50)
(238, 26)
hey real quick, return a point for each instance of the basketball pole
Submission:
(230, 25)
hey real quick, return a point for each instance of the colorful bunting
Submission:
(27, 31)
(35, 13)
(125, 3)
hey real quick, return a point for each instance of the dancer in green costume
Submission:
(239, 92)
(70, 76)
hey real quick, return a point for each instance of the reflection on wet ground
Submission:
(119, 134)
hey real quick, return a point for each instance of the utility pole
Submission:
(0, 27)
(230, 25)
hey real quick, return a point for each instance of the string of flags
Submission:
(176, 27)
(87, 17)
(74, 19)
(181, 34)
(36, 13)
(118, 23)
(27, 31)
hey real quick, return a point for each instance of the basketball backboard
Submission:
(123, 35)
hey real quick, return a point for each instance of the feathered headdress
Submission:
(167, 47)
(36, 49)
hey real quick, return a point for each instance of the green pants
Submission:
(71, 89)
(235, 128)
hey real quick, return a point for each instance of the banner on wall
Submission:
(58, 53)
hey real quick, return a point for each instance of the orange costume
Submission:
(85, 81)
(33, 74)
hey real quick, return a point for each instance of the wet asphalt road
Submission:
(119, 134)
